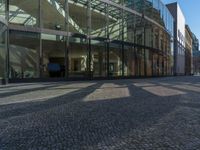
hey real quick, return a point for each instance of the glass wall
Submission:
(148, 58)
(83, 38)
(24, 54)
(79, 18)
(115, 59)
(2, 9)
(53, 56)
(98, 58)
(148, 34)
(129, 61)
(24, 12)
(99, 19)
(142, 62)
(3, 40)
(115, 27)
(78, 57)
(53, 14)
(115, 31)
(129, 26)
(3, 29)
(155, 64)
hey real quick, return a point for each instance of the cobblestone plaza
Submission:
(147, 114)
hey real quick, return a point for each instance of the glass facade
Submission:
(2, 50)
(3, 40)
(89, 38)
(24, 12)
(52, 54)
(24, 54)
(2, 9)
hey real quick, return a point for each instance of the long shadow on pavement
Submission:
(69, 122)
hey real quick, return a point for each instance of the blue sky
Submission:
(191, 10)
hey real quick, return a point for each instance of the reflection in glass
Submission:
(115, 60)
(78, 57)
(78, 17)
(129, 61)
(53, 56)
(2, 50)
(98, 58)
(24, 54)
(104, 38)
(148, 54)
(53, 14)
(2, 8)
(24, 12)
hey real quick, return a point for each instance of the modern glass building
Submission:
(76, 39)
(3, 41)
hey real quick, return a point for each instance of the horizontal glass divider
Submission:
(24, 28)
(64, 33)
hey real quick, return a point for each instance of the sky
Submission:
(191, 11)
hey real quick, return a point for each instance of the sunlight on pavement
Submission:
(188, 87)
(42, 94)
(163, 91)
(108, 91)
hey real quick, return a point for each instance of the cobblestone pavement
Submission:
(138, 114)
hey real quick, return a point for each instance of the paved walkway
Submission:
(146, 114)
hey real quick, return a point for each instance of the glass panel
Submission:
(139, 35)
(115, 34)
(98, 58)
(78, 16)
(148, 58)
(2, 8)
(156, 4)
(155, 64)
(148, 34)
(24, 54)
(165, 66)
(2, 49)
(99, 19)
(156, 37)
(115, 59)
(53, 52)
(53, 14)
(129, 26)
(139, 30)
(138, 5)
(115, 23)
(140, 61)
(156, 12)
(129, 4)
(78, 57)
(129, 61)
(160, 65)
(148, 8)
(24, 12)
